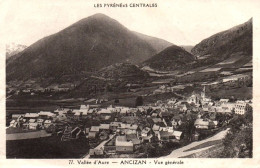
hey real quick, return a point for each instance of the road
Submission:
(184, 151)
(100, 146)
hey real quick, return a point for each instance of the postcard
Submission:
(129, 83)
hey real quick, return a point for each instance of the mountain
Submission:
(86, 46)
(156, 43)
(234, 45)
(187, 47)
(13, 49)
(172, 58)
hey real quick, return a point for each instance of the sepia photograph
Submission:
(130, 79)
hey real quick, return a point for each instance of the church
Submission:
(199, 99)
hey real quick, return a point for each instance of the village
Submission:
(136, 132)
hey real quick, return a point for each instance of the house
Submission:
(205, 107)
(194, 98)
(123, 111)
(40, 122)
(157, 120)
(146, 134)
(121, 127)
(241, 107)
(84, 108)
(132, 112)
(223, 101)
(90, 111)
(131, 126)
(212, 109)
(33, 125)
(196, 136)
(130, 136)
(165, 136)
(16, 116)
(226, 108)
(92, 135)
(32, 120)
(182, 107)
(163, 128)
(87, 132)
(61, 111)
(201, 124)
(46, 114)
(13, 123)
(124, 146)
(104, 127)
(113, 125)
(31, 115)
(47, 123)
(104, 112)
(205, 124)
(75, 133)
(178, 135)
(154, 114)
(136, 143)
(94, 129)
(130, 132)
(170, 129)
(133, 138)
(61, 117)
(105, 118)
(96, 153)
(156, 129)
(110, 147)
(176, 121)
(77, 115)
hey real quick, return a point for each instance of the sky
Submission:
(177, 21)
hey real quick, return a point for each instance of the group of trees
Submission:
(239, 140)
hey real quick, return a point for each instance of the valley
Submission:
(95, 80)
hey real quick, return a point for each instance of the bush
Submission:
(139, 101)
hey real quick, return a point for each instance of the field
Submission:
(50, 147)
(237, 93)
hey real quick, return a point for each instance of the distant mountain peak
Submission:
(100, 15)
(86, 46)
(13, 48)
(233, 45)
(212, 43)
(170, 59)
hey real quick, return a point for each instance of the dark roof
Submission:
(95, 152)
(92, 134)
(165, 133)
(165, 114)
(136, 141)
(131, 137)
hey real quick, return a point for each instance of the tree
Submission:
(116, 101)
(139, 101)
(249, 114)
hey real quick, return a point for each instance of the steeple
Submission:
(203, 93)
